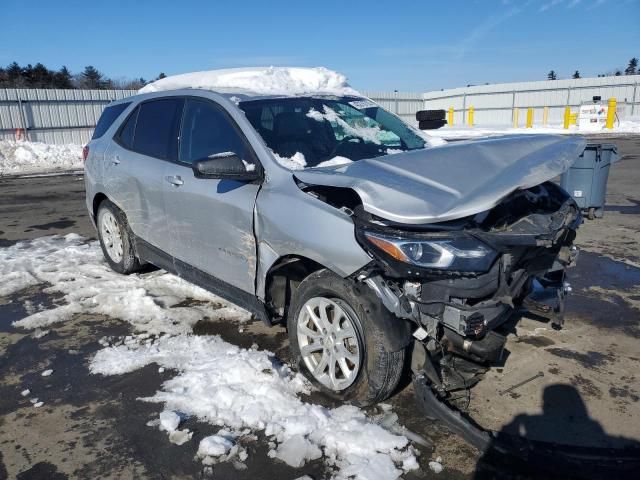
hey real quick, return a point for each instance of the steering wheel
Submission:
(345, 141)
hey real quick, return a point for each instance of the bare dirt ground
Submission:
(94, 427)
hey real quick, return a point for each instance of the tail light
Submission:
(85, 153)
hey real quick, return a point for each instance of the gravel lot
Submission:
(94, 427)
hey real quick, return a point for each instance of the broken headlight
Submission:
(456, 252)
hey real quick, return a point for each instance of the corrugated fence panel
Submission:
(54, 116)
(68, 116)
(494, 104)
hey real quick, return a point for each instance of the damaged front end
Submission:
(461, 280)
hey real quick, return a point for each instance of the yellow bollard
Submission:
(471, 111)
(529, 117)
(516, 114)
(611, 112)
(567, 115)
(450, 119)
(545, 116)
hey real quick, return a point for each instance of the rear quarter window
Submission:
(156, 130)
(107, 118)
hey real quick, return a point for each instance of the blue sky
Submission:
(384, 45)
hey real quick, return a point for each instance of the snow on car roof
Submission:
(259, 80)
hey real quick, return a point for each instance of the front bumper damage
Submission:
(458, 319)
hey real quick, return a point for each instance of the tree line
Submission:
(632, 69)
(39, 76)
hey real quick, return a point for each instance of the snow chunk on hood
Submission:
(262, 80)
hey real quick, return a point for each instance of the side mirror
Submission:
(226, 165)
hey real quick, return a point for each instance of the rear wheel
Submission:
(337, 342)
(115, 239)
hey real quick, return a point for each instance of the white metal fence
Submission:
(69, 116)
(54, 116)
(495, 104)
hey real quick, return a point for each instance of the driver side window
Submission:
(207, 131)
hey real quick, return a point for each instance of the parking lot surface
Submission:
(92, 426)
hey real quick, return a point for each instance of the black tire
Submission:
(426, 115)
(128, 263)
(380, 366)
(431, 124)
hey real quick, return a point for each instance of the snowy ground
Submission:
(464, 132)
(240, 391)
(21, 157)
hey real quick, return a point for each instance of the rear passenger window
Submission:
(208, 130)
(107, 118)
(126, 134)
(156, 130)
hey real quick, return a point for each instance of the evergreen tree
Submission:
(92, 78)
(14, 76)
(161, 76)
(552, 75)
(41, 76)
(576, 74)
(62, 78)
(618, 73)
(632, 68)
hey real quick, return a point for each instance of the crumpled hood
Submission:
(452, 181)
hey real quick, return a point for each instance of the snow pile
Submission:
(465, 132)
(150, 301)
(226, 385)
(296, 162)
(260, 80)
(244, 390)
(18, 157)
(335, 161)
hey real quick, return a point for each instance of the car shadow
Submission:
(561, 442)
(625, 209)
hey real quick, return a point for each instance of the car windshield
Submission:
(310, 132)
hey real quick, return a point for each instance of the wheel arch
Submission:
(283, 278)
(98, 198)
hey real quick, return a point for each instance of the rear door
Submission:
(144, 148)
(211, 220)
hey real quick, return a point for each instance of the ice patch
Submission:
(169, 420)
(260, 80)
(179, 437)
(46, 373)
(214, 446)
(18, 157)
(296, 450)
(25, 392)
(38, 404)
(436, 466)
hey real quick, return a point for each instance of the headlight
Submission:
(459, 252)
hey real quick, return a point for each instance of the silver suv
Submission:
(330, 215)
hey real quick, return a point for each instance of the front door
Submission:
(211, 220)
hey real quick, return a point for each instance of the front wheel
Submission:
(338, 332)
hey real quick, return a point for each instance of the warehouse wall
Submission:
(495, 104)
